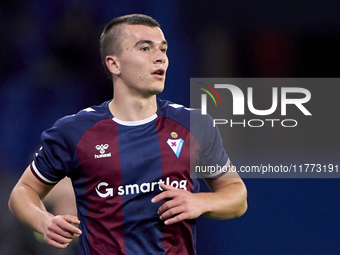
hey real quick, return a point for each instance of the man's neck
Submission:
(133, 108)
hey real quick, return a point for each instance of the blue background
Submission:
(50, 67)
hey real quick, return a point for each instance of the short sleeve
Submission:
(212, 155)
(54, 159)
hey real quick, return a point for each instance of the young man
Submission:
(129, 160)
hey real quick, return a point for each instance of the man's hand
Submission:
(180, 204)
(61, 230)
(26, 204)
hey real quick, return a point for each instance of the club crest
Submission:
(176, 145)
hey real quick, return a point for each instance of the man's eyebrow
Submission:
(149, 42)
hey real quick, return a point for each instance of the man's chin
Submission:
(157, 89)
(152, 90)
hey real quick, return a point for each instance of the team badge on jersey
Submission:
(175, 144)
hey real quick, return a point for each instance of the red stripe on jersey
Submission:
(105, 214)
(177, 238)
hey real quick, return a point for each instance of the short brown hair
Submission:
(112, 35)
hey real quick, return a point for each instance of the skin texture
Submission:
(138, 75)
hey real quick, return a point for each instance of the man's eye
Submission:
(163, 50)
(145, 48)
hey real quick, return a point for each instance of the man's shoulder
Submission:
(84, 118)
(168, 109)
(173, 110)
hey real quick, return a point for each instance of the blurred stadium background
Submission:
(50, 67)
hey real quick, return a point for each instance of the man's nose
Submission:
(160, 56)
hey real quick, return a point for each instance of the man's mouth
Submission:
(159, 73)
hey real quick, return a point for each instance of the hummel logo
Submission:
(101, 148)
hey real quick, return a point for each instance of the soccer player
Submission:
(130, 160)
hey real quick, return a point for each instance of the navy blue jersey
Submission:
(116, 168)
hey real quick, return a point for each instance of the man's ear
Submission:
(112, 64)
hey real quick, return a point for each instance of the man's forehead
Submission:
(143, 32)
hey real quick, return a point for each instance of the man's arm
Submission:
(227, 200)
(25, 203)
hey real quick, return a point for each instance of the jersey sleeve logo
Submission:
(175, 144)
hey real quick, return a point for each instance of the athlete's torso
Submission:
(116, 168)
